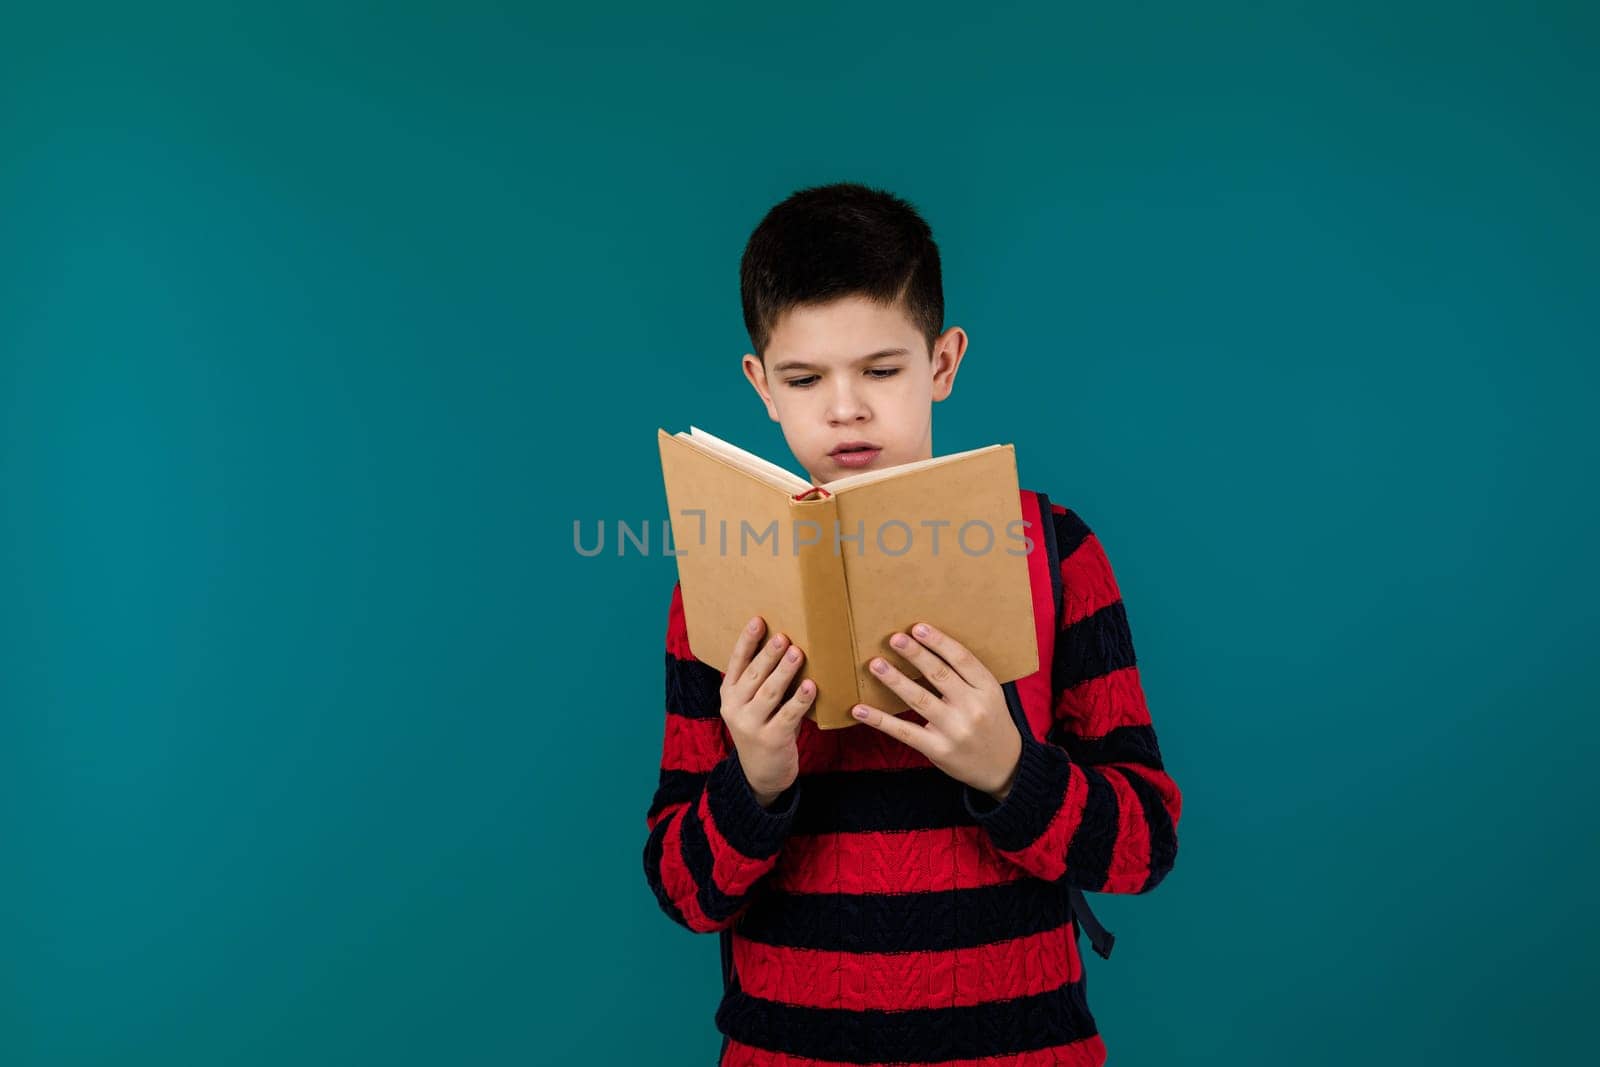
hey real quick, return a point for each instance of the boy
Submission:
(901, 894)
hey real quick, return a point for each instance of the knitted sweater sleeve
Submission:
(1090, 806)
(710, 842)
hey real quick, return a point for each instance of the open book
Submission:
(841, 567)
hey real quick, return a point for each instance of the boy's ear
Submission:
(757, 373)
(948, 349)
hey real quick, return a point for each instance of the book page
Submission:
(748, 460)
(838, 485)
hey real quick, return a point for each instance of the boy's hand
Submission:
(969, 734)
(751, 689)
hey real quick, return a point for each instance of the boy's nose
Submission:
(845, 406)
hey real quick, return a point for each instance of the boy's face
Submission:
(826, 383)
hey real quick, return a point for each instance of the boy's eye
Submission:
(877, 373)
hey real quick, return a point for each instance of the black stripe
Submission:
(919, 798)
(653, 848)
(1040, 789)
(1163, 841)
(716, 904)
(1052, 548)
(1089, 853)
(917, 1035)
(675, 787)
(1070, 532)
(926, 921)
(1095, 645)
(747, 827)
(694, 689)
(1124, 744)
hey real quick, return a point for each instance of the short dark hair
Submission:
(831, 241)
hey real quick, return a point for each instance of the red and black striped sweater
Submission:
(883, 912)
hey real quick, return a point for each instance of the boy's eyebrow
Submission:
(794, 364)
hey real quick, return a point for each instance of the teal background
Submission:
(321, 324)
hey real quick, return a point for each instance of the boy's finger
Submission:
(762, 665)
(744, 646)
(771, 692)
(939, 675)
(919, 698)
(912, 734)
(789, 716)
(963, 662)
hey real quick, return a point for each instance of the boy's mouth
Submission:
(855, 454)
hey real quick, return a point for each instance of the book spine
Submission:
(829, 642)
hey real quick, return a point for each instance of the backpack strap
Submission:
(1100, 938)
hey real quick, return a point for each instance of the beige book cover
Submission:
(841, 567)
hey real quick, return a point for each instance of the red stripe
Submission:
(1130, 852)
(909, 861)
(732, 871)
(675, 877)
(857, 748)
(1089, 1052)
(693, 744)
(872, 981)
(1087, 582)
(1095, 707)
(1171, 798)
